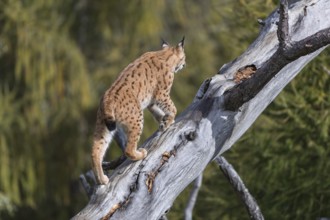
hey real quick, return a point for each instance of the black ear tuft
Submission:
(164, 43)
(181, 44)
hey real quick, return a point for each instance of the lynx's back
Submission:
(144, 79)
(144, 83)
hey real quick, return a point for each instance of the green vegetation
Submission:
(58, 57)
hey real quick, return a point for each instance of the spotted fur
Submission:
(144, 83)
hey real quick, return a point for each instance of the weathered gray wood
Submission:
(146, 189)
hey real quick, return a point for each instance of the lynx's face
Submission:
(181, 58)
(178, 57)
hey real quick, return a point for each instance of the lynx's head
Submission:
(176, 56)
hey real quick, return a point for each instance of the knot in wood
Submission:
(150, 181)
(165, 156)
(190, 136)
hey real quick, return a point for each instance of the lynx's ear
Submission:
(164, 43)
(181, 44)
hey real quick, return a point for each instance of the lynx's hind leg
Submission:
(101, 140)
(133, 125)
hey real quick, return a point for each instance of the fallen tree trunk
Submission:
(224, 108)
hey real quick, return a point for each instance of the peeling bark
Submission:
(219, 115)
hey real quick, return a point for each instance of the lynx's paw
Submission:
(144, 152)
(104, 180)
(139, 154)
(166, 121)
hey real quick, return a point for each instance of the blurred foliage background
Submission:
(58, 57)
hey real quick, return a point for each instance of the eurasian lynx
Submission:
(145, 83)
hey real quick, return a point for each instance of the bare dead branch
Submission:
(193, 197)
(283, 26)
(239, 187)
(85, 180)
(286, 53)
(113, 164)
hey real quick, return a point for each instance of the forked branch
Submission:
(287, 52)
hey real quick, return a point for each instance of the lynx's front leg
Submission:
(169, 109)
(156, 112)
